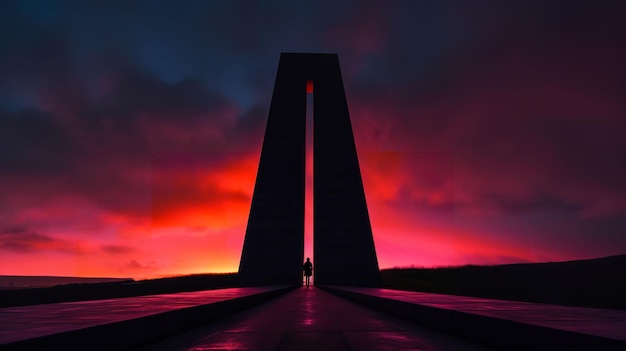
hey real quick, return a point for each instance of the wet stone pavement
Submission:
(312, 319)
(590, 321)
(27, 322)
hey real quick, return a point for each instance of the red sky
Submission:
(486, 133)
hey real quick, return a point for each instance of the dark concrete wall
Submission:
(344, 250)
(274, 244)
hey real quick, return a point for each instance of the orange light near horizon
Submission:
(192, 194)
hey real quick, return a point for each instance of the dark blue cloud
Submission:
(528, 95)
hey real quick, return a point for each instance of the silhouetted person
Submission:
(307, 267)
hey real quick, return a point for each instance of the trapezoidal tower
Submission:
(273, 250)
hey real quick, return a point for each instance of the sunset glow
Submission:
(485, 134)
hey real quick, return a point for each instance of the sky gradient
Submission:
(130, 131)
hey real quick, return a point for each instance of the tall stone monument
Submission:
(273, 250)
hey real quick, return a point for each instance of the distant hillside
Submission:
(20, 282)
(106, 290)
(594, 283)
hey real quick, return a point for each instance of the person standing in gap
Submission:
(307, 267)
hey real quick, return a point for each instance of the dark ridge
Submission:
(96, 291)
(596, 283)
(23, 282)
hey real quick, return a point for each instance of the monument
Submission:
(273, 250)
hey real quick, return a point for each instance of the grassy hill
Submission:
(593, 283)
(105, 290)
(22, 282)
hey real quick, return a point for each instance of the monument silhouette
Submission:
(273, 250)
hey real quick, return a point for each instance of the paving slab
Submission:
(121, 322)
(312, 319)
(505, 324)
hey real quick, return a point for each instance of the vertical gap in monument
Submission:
(308, 197)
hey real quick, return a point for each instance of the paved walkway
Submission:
(508, 325)
(28, 322)
(591, 321)
(312, 319)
